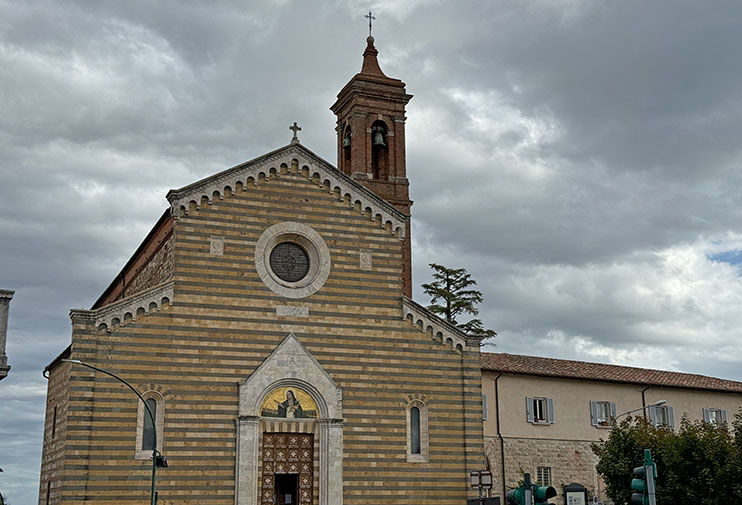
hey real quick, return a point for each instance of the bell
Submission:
(378, 139)
(346, 142)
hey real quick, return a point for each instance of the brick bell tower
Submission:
(370, 112)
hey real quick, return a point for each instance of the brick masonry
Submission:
(156, 271)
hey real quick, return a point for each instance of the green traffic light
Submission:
(541, 494)
(516, 496)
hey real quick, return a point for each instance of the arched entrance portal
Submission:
(290, 413)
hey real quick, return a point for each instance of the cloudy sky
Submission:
(580, 157)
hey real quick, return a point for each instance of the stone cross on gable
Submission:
(369, 17)
(295, 128)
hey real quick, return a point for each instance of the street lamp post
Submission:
(157, 458)
(655, 404)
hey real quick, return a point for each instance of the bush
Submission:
(701, 464)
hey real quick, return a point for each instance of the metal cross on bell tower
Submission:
(369, 17)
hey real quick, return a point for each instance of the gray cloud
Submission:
(580, 158)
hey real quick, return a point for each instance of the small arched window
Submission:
(417, 432)
(148, 433)
(414, 430)
(145, 438)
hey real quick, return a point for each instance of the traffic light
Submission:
(517, 496)
(639, 485)
(539, 494)
(643, 482)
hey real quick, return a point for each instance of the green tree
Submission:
(700, 463)
(452, 296)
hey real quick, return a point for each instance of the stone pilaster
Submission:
(246, 478)
(5, 296)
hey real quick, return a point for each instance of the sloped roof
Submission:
(582, 370)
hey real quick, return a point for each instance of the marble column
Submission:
(5, 297)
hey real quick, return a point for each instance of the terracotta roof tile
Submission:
(550, 367)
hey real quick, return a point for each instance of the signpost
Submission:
(482, 480)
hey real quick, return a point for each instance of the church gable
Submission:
(293, 158)
(287, 214)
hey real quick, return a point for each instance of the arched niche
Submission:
(290, 365)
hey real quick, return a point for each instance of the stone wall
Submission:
(55, 433)
(224, 321)
(570, 461)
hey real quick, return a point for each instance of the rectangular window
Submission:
(484, 407)
(540, 410)
(715, 416)
(543, 475)
(602, 413)
(662, 416)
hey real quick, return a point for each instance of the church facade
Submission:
(267, 321)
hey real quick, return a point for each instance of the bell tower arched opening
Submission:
(379, 150)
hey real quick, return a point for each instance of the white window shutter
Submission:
(593, 413)
(550, 409)
(613, 412)
(670, 418)
(484, 407)
(723, 416)
(706, 416)
(529, 409)
(652, 415)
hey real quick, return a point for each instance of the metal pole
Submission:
(151, 416)
(649, 469)
(528, 489)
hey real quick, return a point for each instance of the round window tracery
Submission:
(292, 259)
(289, 262)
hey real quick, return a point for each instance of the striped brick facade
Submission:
(222, 322)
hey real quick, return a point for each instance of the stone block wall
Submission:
(570, 461)
(55, 433)
(222, 324)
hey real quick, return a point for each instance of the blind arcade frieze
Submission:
(296, 159)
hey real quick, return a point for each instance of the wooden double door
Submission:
(288, 460)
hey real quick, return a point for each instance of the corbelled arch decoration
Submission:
(290, 364)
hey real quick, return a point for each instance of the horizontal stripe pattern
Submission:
(220, 327)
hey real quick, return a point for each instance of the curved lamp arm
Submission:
(155, 452)
(655, 404)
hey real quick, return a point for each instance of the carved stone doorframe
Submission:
(290, 364)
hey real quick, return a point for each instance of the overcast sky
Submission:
(581, 158)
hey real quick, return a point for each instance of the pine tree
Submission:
(451, 287)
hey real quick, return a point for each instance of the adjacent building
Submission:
(5, 296)
(543, 414)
